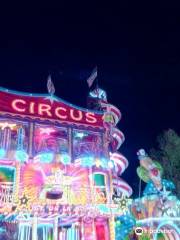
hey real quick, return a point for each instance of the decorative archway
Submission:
(170, 231)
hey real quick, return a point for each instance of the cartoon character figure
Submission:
(149, 169)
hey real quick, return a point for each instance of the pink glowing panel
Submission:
(86, 143)
(51, 139)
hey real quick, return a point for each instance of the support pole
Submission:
(16, 184)
(94, 229)
(70, 140)
(31, 133)
(56, 228)
(34, 228)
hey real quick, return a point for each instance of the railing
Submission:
(82, 195)
(6, 192)
(70, 195)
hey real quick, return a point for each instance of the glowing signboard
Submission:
(40, 107)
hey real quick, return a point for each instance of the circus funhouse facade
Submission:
(60, 174)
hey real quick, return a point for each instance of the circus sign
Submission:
(42, 107)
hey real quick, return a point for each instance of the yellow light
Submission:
(98, 162)
(6, 124)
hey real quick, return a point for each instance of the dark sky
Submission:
(136, 48)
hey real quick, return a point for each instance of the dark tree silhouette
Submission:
(168, 154)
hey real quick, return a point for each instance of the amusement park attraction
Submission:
(60, 174)
(60, 167)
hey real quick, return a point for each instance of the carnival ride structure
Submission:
(59, 168)
(60, 174)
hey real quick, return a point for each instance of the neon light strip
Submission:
(58, 99)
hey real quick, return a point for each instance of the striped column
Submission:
(112, 228)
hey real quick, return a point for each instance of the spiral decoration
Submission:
(114, 139)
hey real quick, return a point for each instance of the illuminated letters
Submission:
(44, 108)
(90, 118)
(57, 112)
(17, 105)
(79, 118)
(31, 107)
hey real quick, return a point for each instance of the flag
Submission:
(92, 77)
(50, 86)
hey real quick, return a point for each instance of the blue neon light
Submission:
(87, 161)
(46, 157)
(21, 156)
(2, 153)
(65, 158)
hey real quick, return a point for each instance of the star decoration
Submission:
(163, 207)
(123, 203)
(165, 193)
(165, 210)
(14, 208)
(51, 98)
(47, 131)
(24, 200)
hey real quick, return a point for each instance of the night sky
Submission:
(136, 49)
